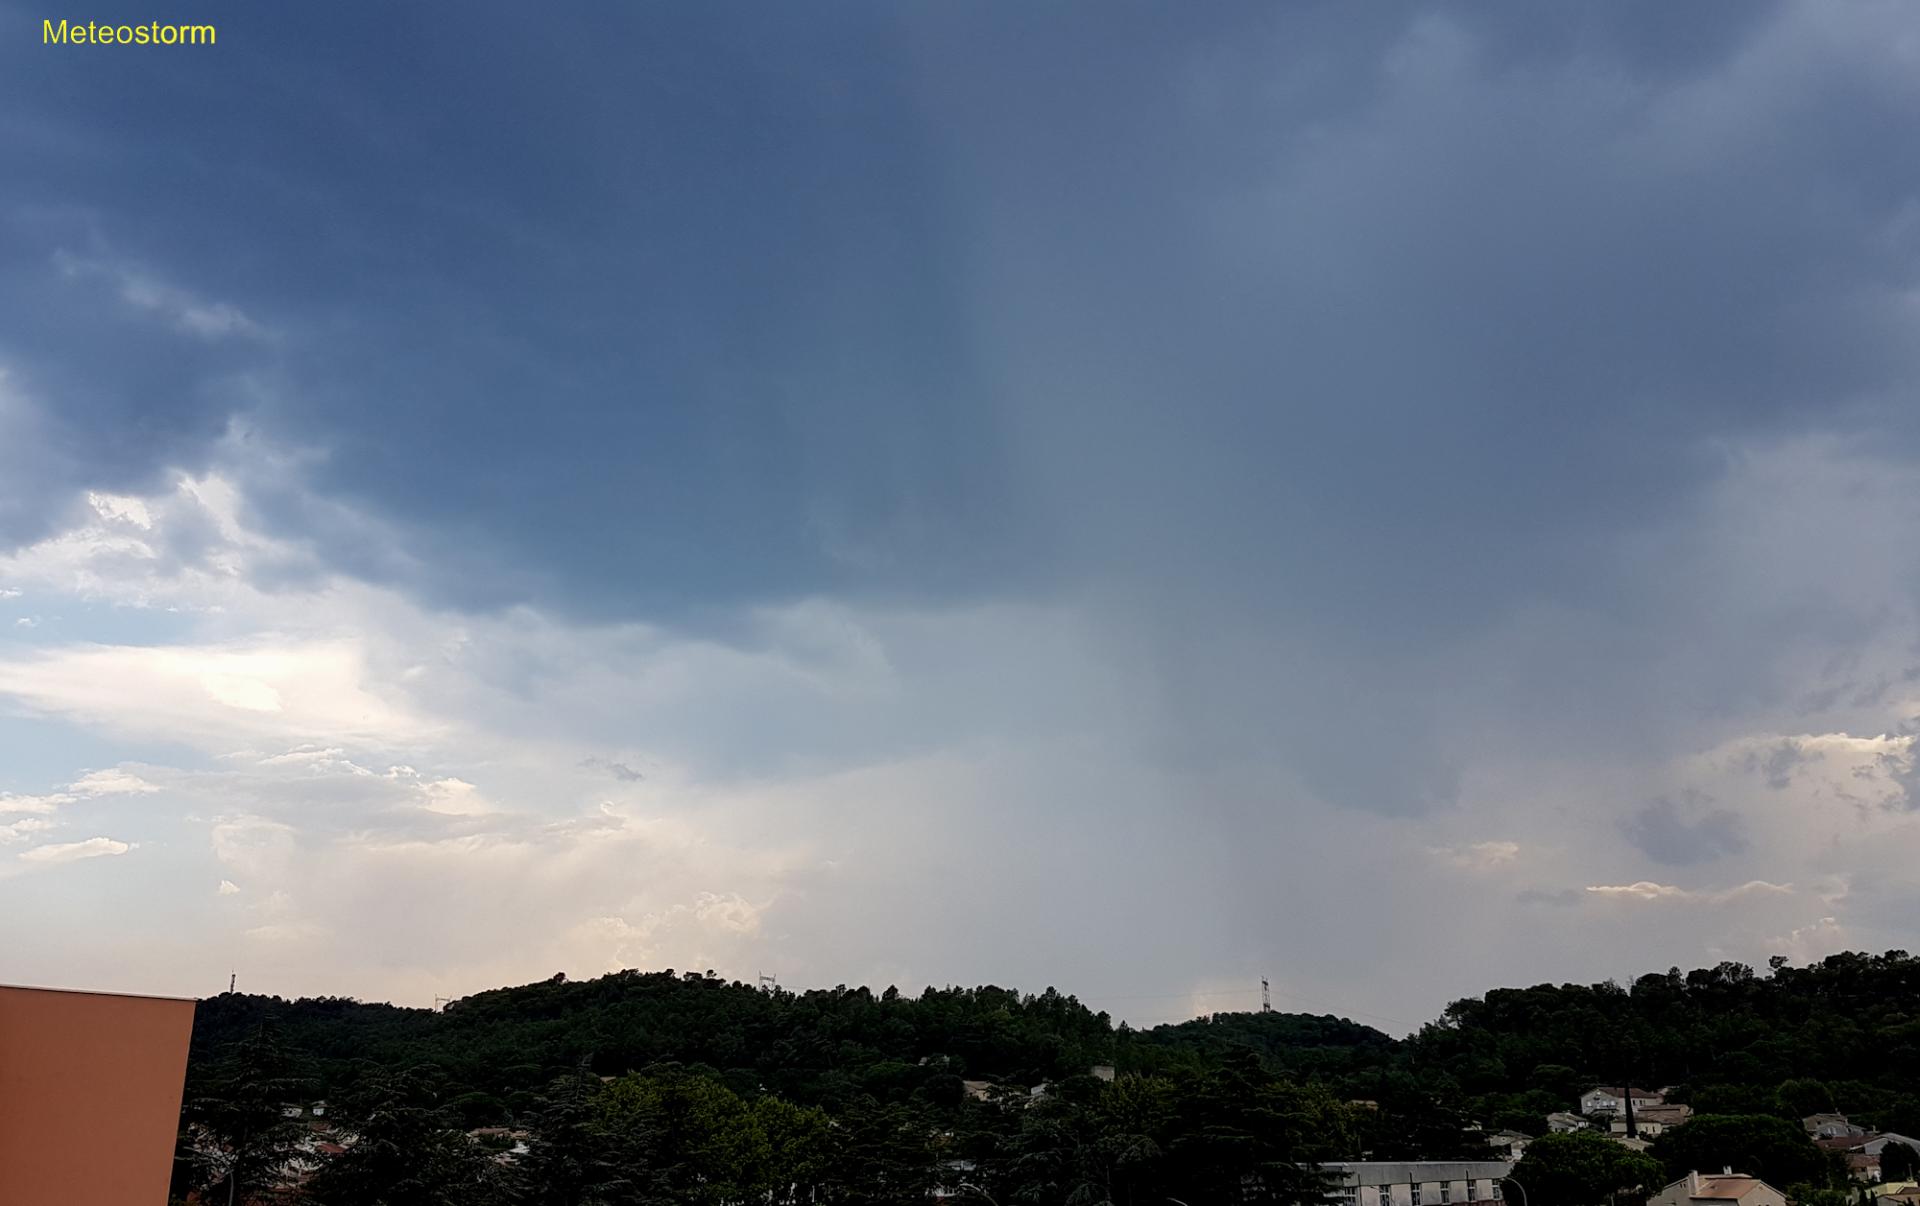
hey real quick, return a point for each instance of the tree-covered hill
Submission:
(1843, 1034)
(826, 1045)
(639, 1067)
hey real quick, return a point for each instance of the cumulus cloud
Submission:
(66, 852)
(21, 830)
(1648, 891)
(92, 784)
(114, 781)
(211, 695)
(1814, 941)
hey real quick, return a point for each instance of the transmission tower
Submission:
(1266, 997)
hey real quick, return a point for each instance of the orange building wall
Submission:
(89, 1096)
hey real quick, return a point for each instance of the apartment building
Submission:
(90, 1089)
(1419, 1182)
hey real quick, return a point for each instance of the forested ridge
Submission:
(871, 1096)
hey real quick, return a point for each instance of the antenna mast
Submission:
(1266, 997)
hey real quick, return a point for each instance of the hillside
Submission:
(947, 1079)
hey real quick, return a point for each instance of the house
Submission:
(1872, 1143)
(1418, 1182)
(1893, 1189)
(1830, 1126)
(1651, 1120)
(1875, 1144)
(978, 1090)
(1860, 1166)
(1611, 1099)
(1725, 1189)
(1562, 1122)
(1509, 1145)
(954, 1182)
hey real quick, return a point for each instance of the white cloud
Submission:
(1480, 856)
(17, 803)
(454, 797)
(18, 831)
(66, 852)
(111, 782)
(266, 689)
(93, 784)
(177, 307)
(1646, 890)
(228, 888)
(1807, 943)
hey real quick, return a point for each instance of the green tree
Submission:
(1802, 1096)
(799, 1147)
(405, 1151)
(703, 1138)
(573, 1161)
(1804, 1194)
(1760, 1145)
(236, 1142)
(886, 1157)
(1557, 1079)
(1582, 1168)
(1243, 1135)
(1898, 1162)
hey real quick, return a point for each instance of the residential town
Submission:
(1628, 1116)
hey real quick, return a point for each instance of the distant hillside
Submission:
(824, 1045)
(1306, 1046)
(643, 1089)
(1844, 1033)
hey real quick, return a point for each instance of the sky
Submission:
(1141, 498)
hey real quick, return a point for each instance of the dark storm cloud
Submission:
(1674, 836)
(1306, 342)
(697, 305)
